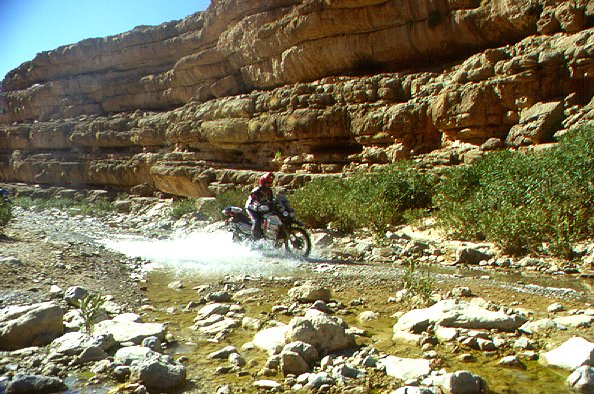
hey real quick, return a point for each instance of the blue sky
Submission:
(28, 27)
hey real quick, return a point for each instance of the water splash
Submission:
(208, 253)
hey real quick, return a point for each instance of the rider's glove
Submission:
(263, 208)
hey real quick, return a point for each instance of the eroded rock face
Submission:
(249, 87)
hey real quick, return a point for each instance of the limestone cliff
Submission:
(300, 86)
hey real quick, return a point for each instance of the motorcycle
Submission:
(279, 225)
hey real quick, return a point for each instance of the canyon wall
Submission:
(195, 106)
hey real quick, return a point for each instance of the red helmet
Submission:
(267, 178)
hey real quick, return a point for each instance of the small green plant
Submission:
(5, 213)
(182, 207)
(419, 284)
(89, 308)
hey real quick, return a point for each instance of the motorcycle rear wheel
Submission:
(297, 242)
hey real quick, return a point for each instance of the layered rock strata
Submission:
(303, 87)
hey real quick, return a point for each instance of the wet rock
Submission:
(405, 368)
(25, 384)
(571, 354)
(581, 380)
(36, 324)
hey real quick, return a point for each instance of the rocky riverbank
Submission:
(339, 323)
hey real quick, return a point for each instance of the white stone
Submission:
(272, 340)
(405, 368)
(571, 354)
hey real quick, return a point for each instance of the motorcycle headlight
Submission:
(285, 213)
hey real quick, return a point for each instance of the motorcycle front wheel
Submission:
(297, 242)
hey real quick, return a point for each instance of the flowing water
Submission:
(206, 254)
(202, 258)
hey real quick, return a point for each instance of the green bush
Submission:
(371, 199)
(524, 202)
(5, 213)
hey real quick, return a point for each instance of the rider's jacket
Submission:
(260, 195)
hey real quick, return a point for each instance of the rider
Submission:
(259, 202)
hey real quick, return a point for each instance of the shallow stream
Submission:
(202, 259)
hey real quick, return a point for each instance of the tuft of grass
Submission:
(418, 283)
(540, 202)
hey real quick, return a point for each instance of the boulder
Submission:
(129, 331)
(581, 380)
(160, 373)
(471, 255)
(537, 124)
(310, 292)
(24, 384)
(73, 343)
(570, 355)
(326, 333)
(272, 339)
(36, 324)
(461, 382)
(457, 314)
